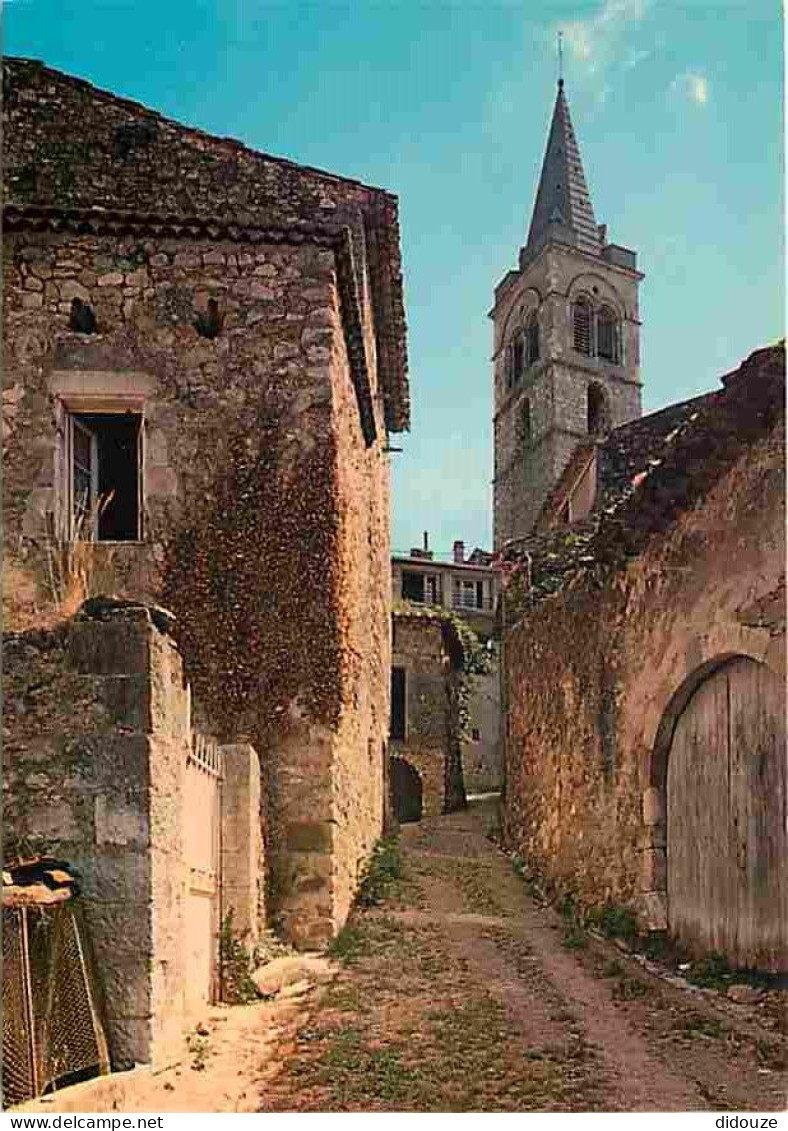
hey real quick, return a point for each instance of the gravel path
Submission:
(460, 993)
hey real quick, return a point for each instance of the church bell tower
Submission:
(567, 339)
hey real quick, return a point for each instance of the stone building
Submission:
(566, 338)
(426, 675)
(645, 674)
(468, 586)
(204, 354)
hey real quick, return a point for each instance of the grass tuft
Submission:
(381, 874)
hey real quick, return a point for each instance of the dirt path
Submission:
(460, 993)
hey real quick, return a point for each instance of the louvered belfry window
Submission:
(607, 335)
(581, 320)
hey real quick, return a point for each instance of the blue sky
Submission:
(678, 111)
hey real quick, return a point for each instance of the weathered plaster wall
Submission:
(482, 758)
(241, 842)
(431, 744)
(591, 672)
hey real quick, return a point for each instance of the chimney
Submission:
(426, 552)
(459, 553)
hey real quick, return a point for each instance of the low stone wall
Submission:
(97, 731)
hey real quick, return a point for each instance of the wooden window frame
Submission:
(67, 410)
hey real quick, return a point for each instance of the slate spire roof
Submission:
(562, 196)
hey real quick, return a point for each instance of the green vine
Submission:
(237, 964)
(473, 657)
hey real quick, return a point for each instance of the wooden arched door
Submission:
(727, 848)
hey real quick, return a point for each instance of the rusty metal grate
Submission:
(52, 1030)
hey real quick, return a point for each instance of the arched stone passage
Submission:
(406, 791)
(715, 812)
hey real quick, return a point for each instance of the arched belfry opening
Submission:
(597, 421)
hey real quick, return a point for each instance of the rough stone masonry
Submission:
(248, 331)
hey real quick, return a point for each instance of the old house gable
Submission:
(645, 474)
(86, 159)
(205, 350)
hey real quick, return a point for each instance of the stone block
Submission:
(130, 1041)
(71, 290)
(122, 824)
(309, 836)
(127, 699)
(111, 279)
(110, 648)
(653, 808)
(115, 875)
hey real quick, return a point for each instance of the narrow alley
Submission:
(461, 992)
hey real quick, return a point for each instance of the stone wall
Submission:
(482, 757)
(95, 741)
(97, 733)
(422, 647)
(591, 672)
(264, 482)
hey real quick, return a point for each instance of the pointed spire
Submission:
(562, 196)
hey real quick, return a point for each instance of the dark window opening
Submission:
(413, 586)
(526, 420)
(398, 704)
(476, 734)
(607, 335)
(208, 323)
(517, 359)
(406, 791)
(106, 476)
(81, 320)
(581, 319)
(532, 339)
(596, 411)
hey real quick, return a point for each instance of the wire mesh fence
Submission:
(52, 1029)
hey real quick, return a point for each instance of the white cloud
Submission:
(635, 59)
(694, 87)
(593, 44)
